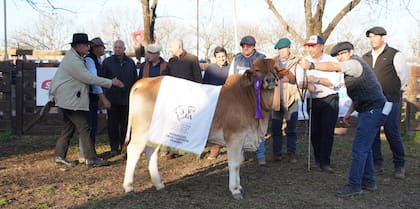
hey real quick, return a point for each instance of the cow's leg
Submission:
(134, 150)
(235, 157)
(152, 161)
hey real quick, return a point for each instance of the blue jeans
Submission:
(291, 136)
(92, 118)
(260, 153)
(393, 137)
(362, 168)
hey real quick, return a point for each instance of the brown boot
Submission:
(276, 157)
(291, 158)
(214, 152)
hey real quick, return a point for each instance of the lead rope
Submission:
(302, 94)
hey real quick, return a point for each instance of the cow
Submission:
(234, 122)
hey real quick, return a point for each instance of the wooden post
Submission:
(18, 116)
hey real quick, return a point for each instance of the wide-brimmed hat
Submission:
(80, 38)
(96, 42)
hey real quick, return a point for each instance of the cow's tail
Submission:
(131, 106)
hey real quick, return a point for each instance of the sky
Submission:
(400, 25)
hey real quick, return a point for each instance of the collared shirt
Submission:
(334, 77)
(90, 65)
(400, 65)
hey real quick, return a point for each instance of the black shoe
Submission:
(399, 173)
(327, 169)
(96, 162)
(62, 161)
(379, 170)
(369, 186)
(347, 191)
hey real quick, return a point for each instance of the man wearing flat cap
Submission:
(368, 100)
(93, 62)
(242, 61)
(287, 109)
(70, 91)
(154, 64)
(323, 101)
(391, 69)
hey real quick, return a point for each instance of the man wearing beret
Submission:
(368, 100)
(70, 91)
(323, 102)
(242, 62)
(392, 72)
(288, 108)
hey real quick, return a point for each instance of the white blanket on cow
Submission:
(183, 114)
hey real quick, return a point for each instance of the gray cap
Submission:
(377, 30)
(345, 45)
(249, 40)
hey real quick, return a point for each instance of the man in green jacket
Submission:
(70, 92)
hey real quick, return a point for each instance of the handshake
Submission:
(116, 82)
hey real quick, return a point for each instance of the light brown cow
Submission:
(234, 123)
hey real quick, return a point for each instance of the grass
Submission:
(6, 135)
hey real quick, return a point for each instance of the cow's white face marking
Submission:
(184, 112)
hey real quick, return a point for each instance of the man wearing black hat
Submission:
(242, 62)
(369, 101)
(288, 108)
(392, 72)
(70, 91)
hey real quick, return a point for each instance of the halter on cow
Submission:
(239, 121)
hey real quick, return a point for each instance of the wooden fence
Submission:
(18, 110)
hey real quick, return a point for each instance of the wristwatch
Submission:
(312, 66)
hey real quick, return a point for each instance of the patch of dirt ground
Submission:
(29, 179)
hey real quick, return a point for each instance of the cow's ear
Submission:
(247, 78)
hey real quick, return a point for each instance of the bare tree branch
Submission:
(350, 6)
(283, 22)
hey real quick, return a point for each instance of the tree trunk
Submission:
(313, 22)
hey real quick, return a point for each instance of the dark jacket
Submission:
(148, 70)
(125, 70)
(186, 66)
(242, 63)
(216, 75)
(385, 72)
(365, 90)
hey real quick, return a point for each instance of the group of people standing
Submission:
(374, 82)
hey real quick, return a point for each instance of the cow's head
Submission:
(265, 70)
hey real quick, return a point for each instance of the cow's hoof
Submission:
(238, 196)
(163, 190)
(129, 190)
(130, 193)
